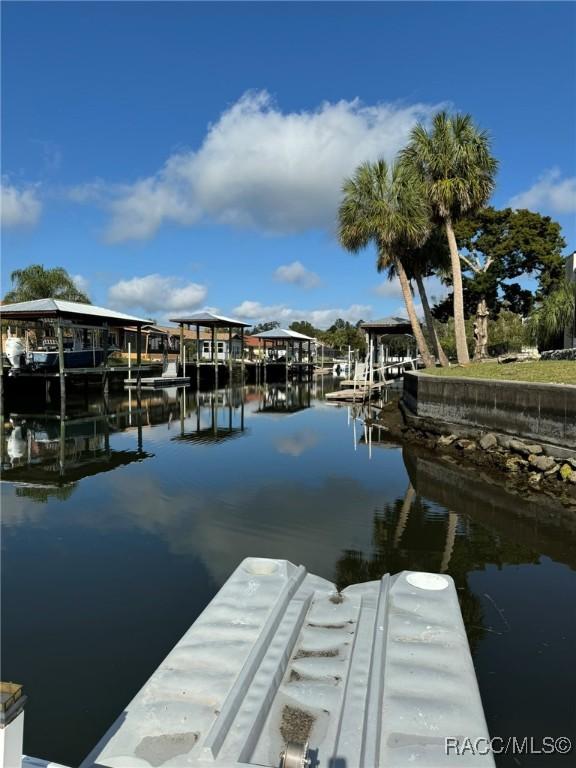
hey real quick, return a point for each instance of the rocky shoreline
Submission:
(519, 463)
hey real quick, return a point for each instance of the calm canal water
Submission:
(117, 531)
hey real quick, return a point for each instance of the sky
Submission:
(175, 156)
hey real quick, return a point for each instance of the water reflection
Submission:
(219, 416)
(47, 457)
(205, 479)
(290, 398)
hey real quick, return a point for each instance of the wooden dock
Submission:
(357, 393)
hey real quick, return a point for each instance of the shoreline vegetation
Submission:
(542, 371)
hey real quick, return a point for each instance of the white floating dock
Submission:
(152, 382)
(378, 675)
(357, 393)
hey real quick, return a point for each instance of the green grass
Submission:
(549, 371)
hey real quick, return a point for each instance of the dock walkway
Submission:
(379, 674)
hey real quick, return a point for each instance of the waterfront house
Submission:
(160, 340)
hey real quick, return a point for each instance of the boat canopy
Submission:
(209, 320)
(69, 310)
(281, 334)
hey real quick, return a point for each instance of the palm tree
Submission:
(36, 282)
(386, 205)
(431, 257)
(417, 271)
(555, 315)
(454, 161)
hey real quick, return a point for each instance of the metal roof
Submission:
(386, 322)
(282, 333)
(210, 320)
(58, 308)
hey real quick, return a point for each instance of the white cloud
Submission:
(297, 443)
(20, 207)
(400, 310)
(81, 283)
(297, 274)
(139, 211)
(389, 289)
(550, 193)
(157, 293)
(435, 290)
(262, 168)
(89, 192)
(254, 311)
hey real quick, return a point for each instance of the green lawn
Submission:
(550, 371)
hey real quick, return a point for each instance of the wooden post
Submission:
(105, 342)
(242, 351)
(214, 357)
(138, 355)
(230, 355)
(105, 358)
(60, 335)
(62, 446)
(198, 357)
(139, 419)
(181, 355)
(1, 375)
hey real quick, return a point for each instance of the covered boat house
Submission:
(224, 347)
(391, 339)
(49, 338)
(283, 347)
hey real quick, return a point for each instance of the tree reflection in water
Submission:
(418, 534)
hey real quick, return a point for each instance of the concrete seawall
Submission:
(540, 412)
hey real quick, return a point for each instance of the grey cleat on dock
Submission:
(282, 669)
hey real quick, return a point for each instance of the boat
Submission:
(77, 354)
(47, 359)
(341, 368)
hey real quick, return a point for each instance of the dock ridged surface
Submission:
(377, 675)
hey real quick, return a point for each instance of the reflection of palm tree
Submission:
(450, 539)
(410, 534)
(403, 519)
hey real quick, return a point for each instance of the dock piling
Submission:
(11, 724)
(60, 335)
(139, 355)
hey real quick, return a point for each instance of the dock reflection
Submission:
(282, 399)
(46, 454)
(211, 417)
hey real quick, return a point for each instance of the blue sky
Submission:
(181, 155)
